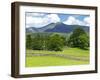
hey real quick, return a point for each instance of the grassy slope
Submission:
(56, 61)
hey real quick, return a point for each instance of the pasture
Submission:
(67, 57)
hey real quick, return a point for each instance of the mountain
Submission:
(63, 28)
(49, 26)
(56, 27)
(42, 29)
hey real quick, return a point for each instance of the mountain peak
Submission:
(57, 27)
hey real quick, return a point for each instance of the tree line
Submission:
(55, 42)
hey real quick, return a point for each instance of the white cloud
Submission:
(41, 21)
(53, 18)
(87, 21)
(73, 21)
(70, 20)
(27, 26)
(36, 21)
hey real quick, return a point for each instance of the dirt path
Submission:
(59, 55)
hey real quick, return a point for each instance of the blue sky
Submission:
(63, 17)
(42, 19)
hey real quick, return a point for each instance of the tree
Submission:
(28, 41)
(55, 43)
(84, 41)
(79, 38)
(37, 42)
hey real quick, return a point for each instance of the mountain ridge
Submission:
(56, 27)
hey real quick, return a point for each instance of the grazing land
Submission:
(69, 56)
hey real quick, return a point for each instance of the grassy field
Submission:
(33, 61)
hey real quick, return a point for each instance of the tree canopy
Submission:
(28, 41)
(53, 42)
(79, 38)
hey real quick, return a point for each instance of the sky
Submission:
(39, 20)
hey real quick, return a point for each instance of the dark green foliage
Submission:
(79, 39)
(28, 41)
(55, 43)
(38, 42)
(84, 41)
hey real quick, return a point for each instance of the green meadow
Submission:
(78, 57)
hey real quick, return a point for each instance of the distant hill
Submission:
(56, 27)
